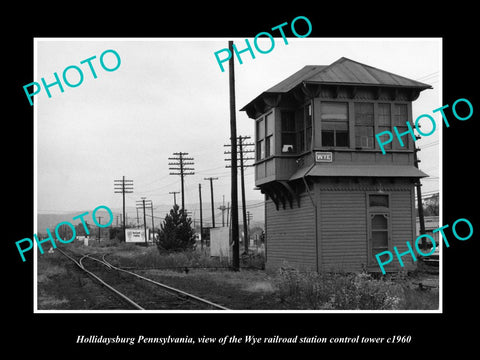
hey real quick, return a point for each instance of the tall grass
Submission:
(150, 258)
(346, 291)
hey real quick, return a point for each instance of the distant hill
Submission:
(50, 220)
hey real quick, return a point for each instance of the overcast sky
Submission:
(169, 95)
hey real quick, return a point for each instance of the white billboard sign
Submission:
(135, 235)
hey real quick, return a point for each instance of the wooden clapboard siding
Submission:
(290, 235)
(335, 235)
(402, 227)
(342, 230)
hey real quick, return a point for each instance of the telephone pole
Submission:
(201, 215)
(153, 221)
(211, 198)
(141, 204)
(180, 165)
(243, 149)
(233, 137)
(418, 185)
(228, 215)
(174, 196)
(123, 187)
(249, 217)
(223, 208)
(100, 223)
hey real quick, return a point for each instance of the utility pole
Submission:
(123, 187)
(418, 185)
(242, 149)
(228, 215)
(249, 217)
(174, 196)
(100, 223)
(153, 221)
(142, 203)
(234, 187)
(180, 165)
(211, 198)
(223, 208)
(201, 215)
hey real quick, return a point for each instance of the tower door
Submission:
(378, 225)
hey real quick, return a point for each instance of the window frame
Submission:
(382, 127)
(335, 126)
(304, 127)
(401, 127)
(290, 132)
(372, 211)
(359, 124)
(264, 146)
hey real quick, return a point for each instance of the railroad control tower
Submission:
(333, 199)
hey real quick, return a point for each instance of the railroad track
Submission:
(146, 291)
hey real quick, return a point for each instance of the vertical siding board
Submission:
(343, 230)
(402, 227)
(291, 235)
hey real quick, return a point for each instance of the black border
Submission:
(431, 332)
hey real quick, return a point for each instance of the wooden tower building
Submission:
(333, 200)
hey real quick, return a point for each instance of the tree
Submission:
(431, 206)
(176, 232)
(117, 233)
(80, 229)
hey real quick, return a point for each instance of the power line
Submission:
(422, 78)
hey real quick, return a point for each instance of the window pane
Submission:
(400, 116)
(406, 139)
(378, 200)
(269, 146)
(301, 140)
(341, 138)
(260, 149)
(364, 114)
(379, 241)
(288, 120)
(384, 115)
(364, 136)
(379, 222)
(270, 123)
(300, 122)
(383, 137)
(334, 111)
(260, 129)
(328, 138)
(289, 143)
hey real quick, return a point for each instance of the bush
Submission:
(176, 232)
(337, 291)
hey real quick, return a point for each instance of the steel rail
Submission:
(165, 286)
(126, 298)
(80, 265)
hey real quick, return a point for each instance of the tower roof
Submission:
(343, 72)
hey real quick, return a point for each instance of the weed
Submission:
(347, 291)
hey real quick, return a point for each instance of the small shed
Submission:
(220, 242)
(332, 199)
